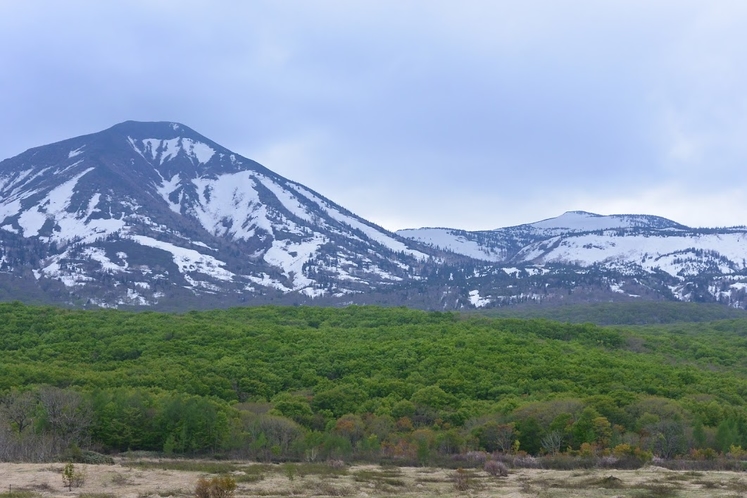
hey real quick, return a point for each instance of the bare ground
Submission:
(144, 478)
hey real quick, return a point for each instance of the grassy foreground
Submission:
(177, 478)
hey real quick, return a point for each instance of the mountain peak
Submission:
(584, 221)
(164, 130)
(160, 127)
(570, 220)
(146, 209)
(581, 213)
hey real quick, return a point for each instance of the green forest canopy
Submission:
(622, 313)
(338, 372)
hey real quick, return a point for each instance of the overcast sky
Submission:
(466, 114)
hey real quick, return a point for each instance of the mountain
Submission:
(502, 245)
(145, 213)
(157, 215)
(631, 255)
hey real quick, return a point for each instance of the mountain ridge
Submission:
(156, 214)
(622, 250)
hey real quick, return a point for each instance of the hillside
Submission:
(364, 380)
(600, 258)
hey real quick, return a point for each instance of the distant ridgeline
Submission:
(365, 383)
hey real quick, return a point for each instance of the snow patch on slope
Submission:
(230, 206)
(166, 188)
(476, 300)
(286, 198)
(199, 151)
(666, 253)
(164, 150)
(76, 152)
(290, 258)
(454, 241)
(54, 206)
(188, 260)
(99, 255)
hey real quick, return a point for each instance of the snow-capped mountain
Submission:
(503, 244)
(622, 250)
(146, 212)
(155, 214)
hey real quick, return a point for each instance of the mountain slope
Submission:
(152, 208)
(618, 253)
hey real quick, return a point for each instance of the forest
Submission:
(366, 384)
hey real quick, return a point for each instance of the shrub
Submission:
(290, 470)
(71, 477)
(526, 461)
(202, 490)
(564, 461)
(95, 458)
(461, 480)
(703, 454)
(496, 469)
(217, 487)
(608, 461)
(471, 458)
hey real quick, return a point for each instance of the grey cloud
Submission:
(408, 113)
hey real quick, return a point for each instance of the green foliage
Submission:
(290, 470)
(293, 407)
(433, 397)
(72, 477)
(299, 383)
(67, 476)
(633, 313)
(530, 435)
(20, 494)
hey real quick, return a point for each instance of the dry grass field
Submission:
(177, 478)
